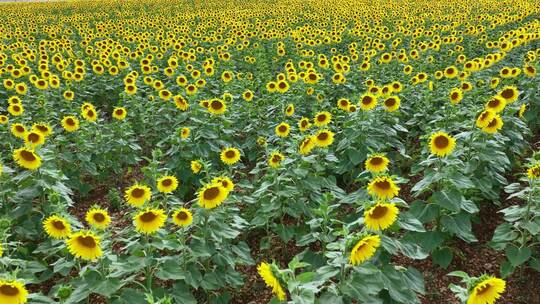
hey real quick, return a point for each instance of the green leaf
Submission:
(442, 257)
(408, 222)
(518, 256)
(459, 274)
(448, 199)
(171, 270)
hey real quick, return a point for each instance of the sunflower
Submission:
(98, 218)
(307, 144)
(450, 72)
(137, 195)
(456, 95)
(226, 182)
(12, 292)
(4, 119)
(247, 95)
(212, 195)
(383, 187)
(322, 118)
(216, 106)
(167, 184)
(275, 159)
(368, 102)
(282, 86)
(84, 245)
(377, 163)
(534, 172)
(184, 132)
(27, 158)
(496, 104)
(485, 118)
(18, 130)
(230, 156)
(119, 113)
(70, 123)
(494, 125)
(266, 271)
(283, 129)
(380, 216)
(57, 227)
(304, 124)
(509, 94)
(16, 109)
(324, 138)
(530, 71)
(181, 103)
(196, 166)
(364, 249)
(391, 103)
(90, 114)
(486, 291)
(130, 89)
(289, 111)
(34, 139)
(494, 82)
(182, 217)
(149, 221)
(522, 109)
(343, 104)
(42, 128)
(441, 144)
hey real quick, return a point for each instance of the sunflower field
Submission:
(262, 151)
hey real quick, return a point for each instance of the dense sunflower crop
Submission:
(178, 151)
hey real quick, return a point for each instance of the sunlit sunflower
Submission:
(137, 195)
(84, 245)
(16, 109)
(226, 182)
(12, 292)
(324, 138)
(368, 102)
(150, 220)
(364, 249)
(485, 118)
(381, 216)
(42, 128)
(486, 291)
(275, 159)
(383, 187)
(56, 227)
(377, 163)
(522, 109)
(167, 184)
(181, 103)
(217, 106)
(33, 139)
(119, 113)
(509, 94)
(322, 118)
(392, 103)
(304, 124)
(90, 114)
(196, 166)
(182, 217)
(212, 195)
(27, 158)
(70, 123)
(18, 130)
(267, 273)
(98, 218)
(307, 144)
(283, 129)
(456, 95)
(441, 144)
(4, 120)
(247, 95)
(343, 104)
(496, 104)
(230, 156)
(289, 110)
(494, 125)
(534, 172)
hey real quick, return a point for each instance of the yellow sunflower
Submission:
(343, 104)
(383, 187)
(16, 109)
(184, 132)
(230, 156)
(275, 159)
(486, 291)
(98, 218)
(307, 144)
(494, 125)
(217, 106)
(364, 249)
(150, 220)
(304, 124)
(289, 111)
(441, 144)
(496, 104)
(522, 109)
(212, 195)
(392, 103)
(322, 118)
(119, 113)
(18, 130)
(90, 114)
(456, 95)
(380, 216)
(182, 217)
(57, 227)
(377, 163)
(34, 139)
(324, 138)
(13, 292)
(137, 195)
(84, 245)
(167, 184)
(27, 158)
(4, 119)
(534, 172)
(266, 271)
(283, 129)
(226, 182)
(42, 128)
(485, 118)
(70, 123)
(181, 103)
(368, 102)
(509, 94)
(196, 166)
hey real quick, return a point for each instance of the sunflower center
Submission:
(28, 156)
(384, 185)
(483, 289)
(484, 115)
(376, 161)
(216, 105)
(441, 142)
(508, 93)
(119, 112)
(494, 103)
(303, 123)
(492, 123)
(137, 193)
(321, 118)
(390, 102)
(148, 217)
(366, 100)
(282, 128)
(455, 95)
(99, 217)
(58, 225)
(87, 241)
(19, 129)
(182, 215)
(231, 154)
(42, 128)
(378, 212)
(90, 113)
(282, 85)
(70, 122)
(8, 290)
(276, 158)
(167, 182)
(343, 103)
(33, 137)
(16, 108)
(211, 193)
(322, 136)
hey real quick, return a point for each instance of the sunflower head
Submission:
(27, 158)
(212, 195)
(383, 187)
(380, 216)
(98, 218)
(322, 118)
(268, 274)
(392, 103)
(368, 102)
(377, 163)
(441, 144)
(84, 245)
(486, 289)
(150, 220)
(57, 227)
(226, 182)
(230, 156)
(275, 159)
(167, 184)
(137, 195)
(494, 125)
(304, 124)
(196, 166)
(509, 94)
(13, 292)
(534, 172)
(182, 217)
(283, 129)
(484, 118)
(324, 138)
(364, 249)
(307, 144)
(119, 113)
